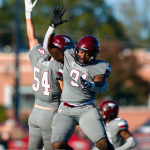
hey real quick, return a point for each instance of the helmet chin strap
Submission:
(90, 61)
(77, 58)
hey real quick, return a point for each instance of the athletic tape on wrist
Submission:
(28, 14)
(51, 30)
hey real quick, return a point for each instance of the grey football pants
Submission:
(67, 118)
(39, 123)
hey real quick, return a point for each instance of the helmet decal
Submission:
(110, 109)
(66, 39)
(63, 42)
(111, 105)
(84, 48)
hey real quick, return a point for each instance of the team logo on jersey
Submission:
(111, 105)
(66, 40)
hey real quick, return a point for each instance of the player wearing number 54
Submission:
(47, 86)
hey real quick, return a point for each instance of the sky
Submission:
(0, 3)
(140, 7)
(115, 5)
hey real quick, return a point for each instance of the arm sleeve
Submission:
(130, 143)
(46, 41)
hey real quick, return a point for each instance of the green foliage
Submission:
(135, 17)
(85, 17)
(125, 86)
(24, 120)
(3, 115)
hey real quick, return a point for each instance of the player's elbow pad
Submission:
(130, 143)
(99, 89)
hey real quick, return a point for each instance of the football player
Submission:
(116, 128)
(83, 78)
(47, 85)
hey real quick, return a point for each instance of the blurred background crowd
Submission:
(123, 30)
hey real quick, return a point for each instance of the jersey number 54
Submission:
(44, 82)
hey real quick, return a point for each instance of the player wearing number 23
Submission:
(83, 78)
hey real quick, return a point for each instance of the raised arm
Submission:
(55, 52)
(29, 25)
(45, 42)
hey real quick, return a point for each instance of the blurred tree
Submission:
(84, 17)
(134, 16)
(3, 115)
(125, 86)
(24, 120)
(6, 23)
(87, 17)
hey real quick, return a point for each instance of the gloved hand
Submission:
(56, 16)
(29, 7)
(85, 84)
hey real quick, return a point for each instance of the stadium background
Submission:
(123, 30)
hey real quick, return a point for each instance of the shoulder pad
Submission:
(122, 124)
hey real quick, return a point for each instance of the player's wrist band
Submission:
(28, 14)
(51, 30)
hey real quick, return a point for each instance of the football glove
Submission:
(29, 7)
(56, 16)
(85, 84)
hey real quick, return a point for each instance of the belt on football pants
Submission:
(69, 105)
(42, 107)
